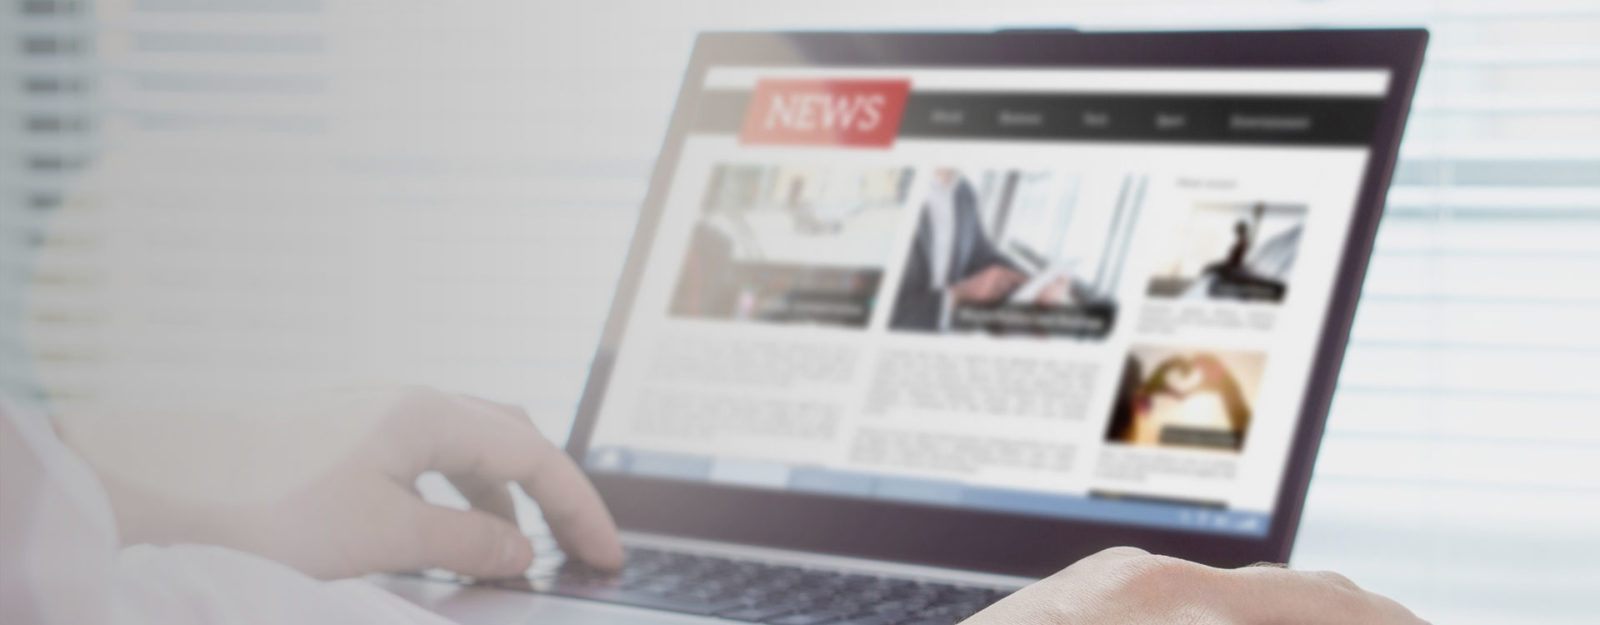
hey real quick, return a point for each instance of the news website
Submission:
(1088, 294)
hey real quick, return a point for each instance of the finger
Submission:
(475, 439)
(490, 496)
(578, 518)
(569, 535)
(469, 542)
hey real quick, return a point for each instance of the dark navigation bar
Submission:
(1089, 117)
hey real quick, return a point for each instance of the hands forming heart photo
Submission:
(1188, 398)
(1184, 376)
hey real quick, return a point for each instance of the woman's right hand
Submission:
(1127, 585)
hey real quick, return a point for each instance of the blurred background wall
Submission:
(217, 198)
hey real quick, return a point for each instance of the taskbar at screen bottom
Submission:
(1097, 507)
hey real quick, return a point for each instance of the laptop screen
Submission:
(1076, 293)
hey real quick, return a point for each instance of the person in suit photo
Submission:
(952, 259)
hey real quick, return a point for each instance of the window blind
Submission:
(473, 175)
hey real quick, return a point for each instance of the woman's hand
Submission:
(1126, 585)
(326, 483)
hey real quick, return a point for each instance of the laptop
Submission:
(910, 320)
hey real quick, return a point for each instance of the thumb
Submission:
(471, 542)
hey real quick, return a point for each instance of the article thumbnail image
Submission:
(1185, 398)
(1017, 253)
(1241, 251)
(791, 244)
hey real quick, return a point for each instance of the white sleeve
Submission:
(60, 563)
(205, 584)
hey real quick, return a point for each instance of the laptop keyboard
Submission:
(760, 592)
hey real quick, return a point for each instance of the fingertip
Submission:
(472, 543)
(516, 555)
(600, 548)
(612, 557)
(611, 560)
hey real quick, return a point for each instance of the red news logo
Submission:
(860, 113)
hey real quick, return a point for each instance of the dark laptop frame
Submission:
(972, 539)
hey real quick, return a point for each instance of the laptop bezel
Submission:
(1002, 543)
